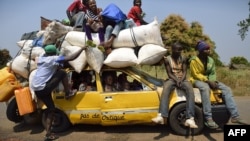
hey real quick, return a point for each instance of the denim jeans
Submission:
(168, 87)
(226, 95)
(113, 30)
(79, 18)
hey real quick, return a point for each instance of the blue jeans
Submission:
(79, 18)
(226, 95)
(168, 87)
(113, 30)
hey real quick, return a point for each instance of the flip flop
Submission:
(90, 43)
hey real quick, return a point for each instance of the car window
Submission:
(149, 78)
(84, 81)
(116, 80)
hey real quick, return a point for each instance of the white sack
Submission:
(33, 51)
(55, 30)
(150, 54)
(19, 66)
(32, 74)
(121, 57)
(95, 58)
(144, 34)
(77, 38)
(24, 43)
(80, 62)
(65, 43)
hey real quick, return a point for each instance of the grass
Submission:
(237, 80)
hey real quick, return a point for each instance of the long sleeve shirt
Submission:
(75, 7)
(198, 72)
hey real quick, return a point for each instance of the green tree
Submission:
(175, 28)
(4, 57)
(244, 25)
(239, 60)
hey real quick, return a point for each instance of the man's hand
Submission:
(178, 83)
(212, 84)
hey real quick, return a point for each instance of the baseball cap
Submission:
(51, 49)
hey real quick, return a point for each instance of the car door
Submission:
(129, 107)
(84, 107)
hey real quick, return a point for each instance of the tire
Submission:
(61, 122)
(33, 118)
(177, 119)
(12, 112)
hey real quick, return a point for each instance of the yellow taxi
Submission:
(101, 101)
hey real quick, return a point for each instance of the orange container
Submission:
(5, 74)
(24, 101)
(7, 89)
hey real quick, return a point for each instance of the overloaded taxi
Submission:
(99, 102)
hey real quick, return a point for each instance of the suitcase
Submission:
(7, 89)
(24, 100)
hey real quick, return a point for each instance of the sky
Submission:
(219, 19)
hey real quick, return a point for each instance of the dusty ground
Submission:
(10, 131)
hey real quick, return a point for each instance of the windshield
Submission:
(149, 78)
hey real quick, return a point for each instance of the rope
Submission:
(137, 47)
(133, 36)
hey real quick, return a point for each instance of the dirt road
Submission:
(10, 131)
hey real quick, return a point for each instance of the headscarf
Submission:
(201, 45)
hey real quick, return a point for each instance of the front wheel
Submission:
(61, 122)
(177, 119)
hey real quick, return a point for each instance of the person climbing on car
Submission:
(47, 78)
(176, 67)
(203, 76)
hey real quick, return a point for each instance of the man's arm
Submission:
(184, 69)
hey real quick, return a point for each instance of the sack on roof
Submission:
(114, 13)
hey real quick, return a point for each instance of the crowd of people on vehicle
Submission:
(86, 16)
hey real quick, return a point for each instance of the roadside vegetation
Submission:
(238, 79)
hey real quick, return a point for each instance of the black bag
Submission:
(29, 35)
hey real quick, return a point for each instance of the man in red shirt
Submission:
(136, 13)
(76, 12)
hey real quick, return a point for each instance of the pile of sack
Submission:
(140, 45)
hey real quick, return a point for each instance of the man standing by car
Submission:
(176, 67)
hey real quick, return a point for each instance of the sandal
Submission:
(90, 43)
(211, 124)
(101, 48)
(50, 137)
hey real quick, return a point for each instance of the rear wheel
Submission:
(12, 111)
(61, 122)
(177, 119)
